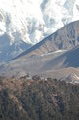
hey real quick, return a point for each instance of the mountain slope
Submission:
(54, 61)
(67, 59)
(64, 38)
(8, 51)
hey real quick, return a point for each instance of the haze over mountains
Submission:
(26, 22)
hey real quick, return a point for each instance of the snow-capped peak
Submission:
(34, 20)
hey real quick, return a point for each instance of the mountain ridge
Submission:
(65, 38)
